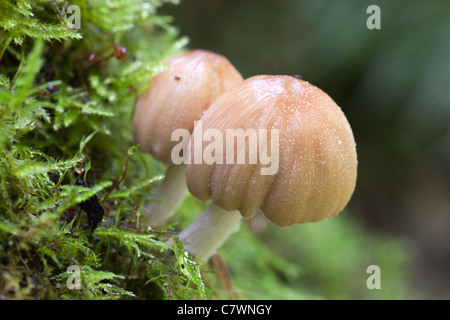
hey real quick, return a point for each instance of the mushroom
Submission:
(176, 97)
(316, 155)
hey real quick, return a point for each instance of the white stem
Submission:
(169, 194)
(209, 231)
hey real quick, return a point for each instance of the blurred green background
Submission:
(394, 86)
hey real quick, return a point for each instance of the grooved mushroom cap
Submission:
(317, 153)
(177, 96)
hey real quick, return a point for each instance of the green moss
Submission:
(65, 117)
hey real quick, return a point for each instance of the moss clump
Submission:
(66, 98)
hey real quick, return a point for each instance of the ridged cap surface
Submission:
(317, 153)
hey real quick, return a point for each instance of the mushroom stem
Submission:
(209, 231)
(170, 194)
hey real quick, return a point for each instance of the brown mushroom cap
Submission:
(177, 96)
(317, 153)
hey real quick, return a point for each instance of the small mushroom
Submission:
(316, 156)
(176, 97)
